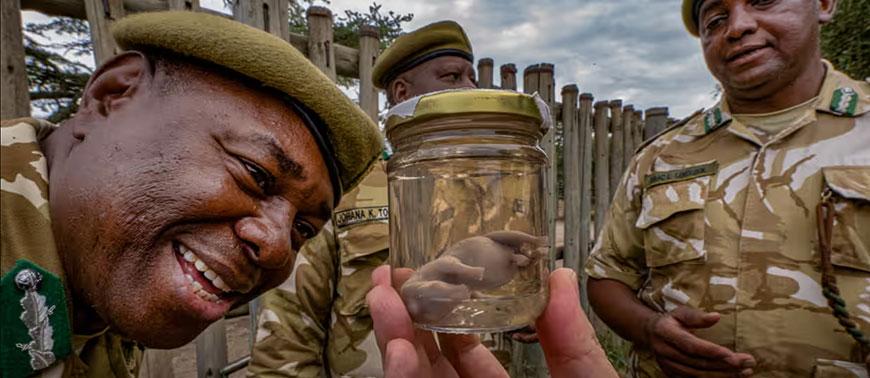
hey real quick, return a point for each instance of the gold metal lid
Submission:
(452, 103)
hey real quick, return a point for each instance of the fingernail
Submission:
(746, 372)
(748, 364)
(573, 274)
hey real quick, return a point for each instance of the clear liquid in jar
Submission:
(435, 206)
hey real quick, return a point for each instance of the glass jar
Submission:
(468, 227)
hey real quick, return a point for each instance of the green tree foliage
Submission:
(54, 69)
(57, 76)
(846, 41)
(347, 26)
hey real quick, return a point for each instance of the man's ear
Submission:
(115, 83)
(400, 90)
(826, 10)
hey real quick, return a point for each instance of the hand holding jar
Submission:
(565, 333)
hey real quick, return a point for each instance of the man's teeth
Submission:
(206, 271)
(198, 290)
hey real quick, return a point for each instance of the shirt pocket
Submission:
(354, 283)
(850, 193)
(672, 221)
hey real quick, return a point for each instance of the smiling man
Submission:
(738, 241)
(200, 160)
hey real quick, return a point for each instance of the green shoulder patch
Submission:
(844, 101)
(36, 331)
(361, 215)
(658, 178)
(714, 119)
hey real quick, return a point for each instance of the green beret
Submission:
(444, 38)
(347, 137)
(690, 15)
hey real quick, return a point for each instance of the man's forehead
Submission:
(440, 64)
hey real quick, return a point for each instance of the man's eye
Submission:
(714, 22)
(305, 229)
(451, 76)
(264, 180)
(762, 2)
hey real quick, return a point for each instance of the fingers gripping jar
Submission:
(468, 235)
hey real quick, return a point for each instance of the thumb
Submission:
(695, 318)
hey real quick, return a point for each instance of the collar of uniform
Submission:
(36, 313)
(710, 120)
(842, 96)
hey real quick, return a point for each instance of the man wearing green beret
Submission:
(193, 171)
(317, 321)
(739, 240)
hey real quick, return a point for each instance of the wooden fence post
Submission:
(211, 350)
(584, 117)
(275, 18)
(628, 135)
(602, 164)
(484, 73)
(249, 12)
(656, 121)
(528, 359)
(638, 128)
(539, 78)
(617, 145)
(369, 44)
(101, 14)
(14, 94)
(189, 5)
(321, 51)
(571, 159)
(508, 76)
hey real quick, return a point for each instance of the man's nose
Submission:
(267, 232)
(741, 21)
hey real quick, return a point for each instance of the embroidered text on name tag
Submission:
(658, 178)
(360, 215)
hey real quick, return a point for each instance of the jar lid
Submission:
(467, 101)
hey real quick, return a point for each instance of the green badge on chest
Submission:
(36, 330)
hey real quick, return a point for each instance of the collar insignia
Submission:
(36, 331)
(844, 101)
(714, 119)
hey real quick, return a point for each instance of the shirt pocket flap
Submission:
(849, 182)
(663, 201)
(850, 242)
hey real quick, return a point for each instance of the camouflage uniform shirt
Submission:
(54, 350)
(317, 322)
(715, 215)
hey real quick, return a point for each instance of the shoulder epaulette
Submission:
(676, 125)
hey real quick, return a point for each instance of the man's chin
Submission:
(756, 79)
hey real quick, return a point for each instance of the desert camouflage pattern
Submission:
(709, 215)
(26, 234)
(317, 322)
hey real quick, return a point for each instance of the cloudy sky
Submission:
(634, 50)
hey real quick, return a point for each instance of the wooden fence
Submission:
(599, 137)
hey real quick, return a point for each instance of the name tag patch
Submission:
(361, 215)
(658, 178)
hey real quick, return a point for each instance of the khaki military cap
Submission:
(347, 137)
(444, 38)
(690, 15)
